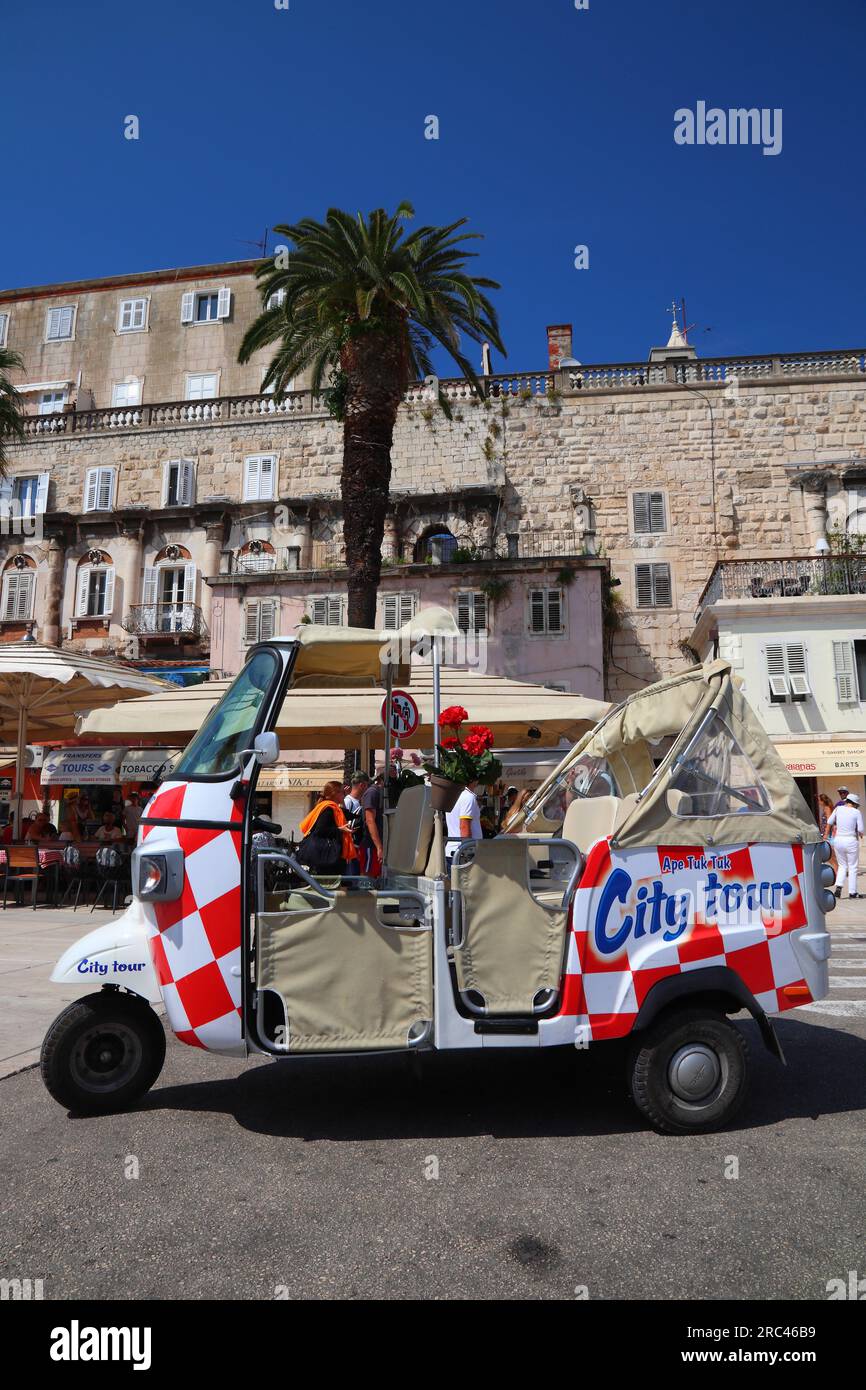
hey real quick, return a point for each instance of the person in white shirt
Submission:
(846, 825)
(464, 821)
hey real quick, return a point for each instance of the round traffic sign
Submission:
(404, 718)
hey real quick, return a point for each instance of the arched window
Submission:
(435, 546)
(19, 590)
(169, 590)
(94, 585)
(256, 557)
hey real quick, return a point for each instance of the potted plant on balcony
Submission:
(461, 758)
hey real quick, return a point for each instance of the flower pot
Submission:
(445, 792)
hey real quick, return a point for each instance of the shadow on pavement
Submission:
(561, 1093)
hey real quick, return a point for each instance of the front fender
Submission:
(114, 954)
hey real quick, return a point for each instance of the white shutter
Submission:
(18, 604)
(224, 304)
(83, 590)
(251, 478)
(798, 680)
(108, 600)
(776, 672)
(6, 601)
(189, 582)
(6, 489)
(407, 608)
(105, 489)
(166, 483)
(640, 504)
(187, 306)
(42, 492)
(148, 590)
(843, 663)
(335, 611)
(267, 470)
(4, 329)
(91, 489)
(319, 610)
(185, 481)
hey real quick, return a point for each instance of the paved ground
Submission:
(315, 1175)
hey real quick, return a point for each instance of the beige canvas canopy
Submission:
(703, 702)
(521, 715)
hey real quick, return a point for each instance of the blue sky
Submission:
(556, 129)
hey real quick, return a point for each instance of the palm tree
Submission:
(360, 304)
(11, 405)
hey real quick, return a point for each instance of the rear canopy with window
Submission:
(721, 781)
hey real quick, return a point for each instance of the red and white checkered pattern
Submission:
(603, 993)
(195, 941)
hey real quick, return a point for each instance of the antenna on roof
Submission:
(261, 246)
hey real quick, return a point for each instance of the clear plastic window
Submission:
(714, 777)
(588, 776)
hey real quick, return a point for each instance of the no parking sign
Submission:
(404, 717)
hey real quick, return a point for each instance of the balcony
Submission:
(537, 386)
(166, 622)
(788, 577)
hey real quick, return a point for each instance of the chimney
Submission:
(558, 344)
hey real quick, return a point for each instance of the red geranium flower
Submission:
(453, 717)
(450, 743)
(480, 734)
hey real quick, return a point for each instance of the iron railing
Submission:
(788, 577)
(165, 620)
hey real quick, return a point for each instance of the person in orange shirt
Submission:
(328, 845)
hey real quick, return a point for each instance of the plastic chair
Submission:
(79, 870)
(112, 869)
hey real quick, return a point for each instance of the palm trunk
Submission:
(375, 364)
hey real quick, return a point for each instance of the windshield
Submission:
(228, 728)
(587, 776)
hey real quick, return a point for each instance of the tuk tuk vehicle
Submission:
(666, 875)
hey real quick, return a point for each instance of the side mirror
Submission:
(267, 749)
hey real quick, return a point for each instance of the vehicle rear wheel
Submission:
(102, 1053)
(688, 1072)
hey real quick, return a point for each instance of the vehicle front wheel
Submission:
(688, 1072)
(102, 1053)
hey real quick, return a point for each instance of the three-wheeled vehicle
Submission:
(667, 875)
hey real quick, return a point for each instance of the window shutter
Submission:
(798, 680)
(20, 595)
(843, 663)
(42, 492)
(91, 489)
(251, 621)
(83, 591)
(640, 504)
(108, 600)
(776, 672)
(4, 328)
(319, 610)
(7, 598)
(536, 610)
(656, 511)
(251, 478)
(554, 610)
(190, 575)
(187, 306)
(662, 586)
(224, 303)
(267, 471)
(267, 619)
(480, 612)
(407, 608)
(166, 483)
(104, 497)
(465, 612)
(335, 612)
(643, 585)
(185, 483)
(6, 490)
(390, 617)
(148, 589)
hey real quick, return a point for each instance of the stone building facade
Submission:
(143, 497)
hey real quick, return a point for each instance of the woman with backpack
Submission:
(327, 846)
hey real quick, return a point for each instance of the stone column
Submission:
(213, 544)
(51, 630)
(391, 539)
(127, 575)
(815, 507)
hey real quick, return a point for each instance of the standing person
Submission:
(464, 821)
(372, 829)
(132, 813)
(843, 795)
(825, 810)
(511, 794)
(355, 815)
(846, 823)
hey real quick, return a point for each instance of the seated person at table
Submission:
(73, 826)
(109, 831)
(40, 828)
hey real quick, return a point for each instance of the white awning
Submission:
(282, 778)
(78, 767)
(144, 764)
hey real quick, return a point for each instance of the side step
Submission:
(506, 1025)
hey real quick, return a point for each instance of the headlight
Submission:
(151, 875)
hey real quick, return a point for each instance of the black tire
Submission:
(693, 1047)
(102, 1053)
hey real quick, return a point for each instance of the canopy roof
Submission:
(318, 717)
(358, 655)
(700, 701)
(51, 685)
